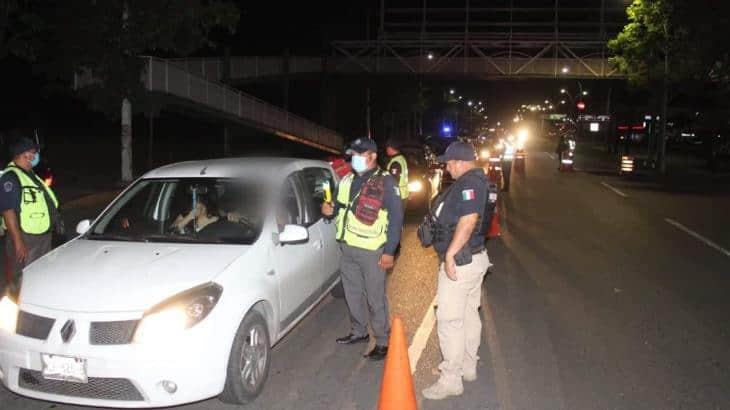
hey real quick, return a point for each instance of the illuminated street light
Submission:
(479, 103)
(562, 91)
(469, 103)
(551, 106)
(562, 101)
(430, 56)
(451, 91)
(565, 70)
(585, 92)
(547, 102)
(460, 97)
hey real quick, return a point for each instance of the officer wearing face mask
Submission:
(29, 210)
(369, 216)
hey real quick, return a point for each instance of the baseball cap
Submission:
(361, 145)
(393, 142)
(21, 145)
(459, 151)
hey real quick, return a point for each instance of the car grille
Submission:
(112, 333)
(30, 325)
(96, 388)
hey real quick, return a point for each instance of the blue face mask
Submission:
(359, 163)
(36, 160)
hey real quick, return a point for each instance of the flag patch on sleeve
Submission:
(468, 194)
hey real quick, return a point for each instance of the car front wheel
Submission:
(249, 361)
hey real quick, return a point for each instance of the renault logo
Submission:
(68, 331)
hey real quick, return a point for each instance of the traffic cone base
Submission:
(397, 391)
(494, 228)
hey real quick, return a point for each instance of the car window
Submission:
(289, 209)
(202, 210)
(313, 181)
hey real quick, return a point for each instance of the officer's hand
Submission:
(450, 267)
(327, 209)
(21, 252)
(125, 223)
(386, 262)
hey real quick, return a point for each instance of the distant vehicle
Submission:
(142, 310)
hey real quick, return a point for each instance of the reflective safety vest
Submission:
(403, 181)
(349, 229)
(35, 214)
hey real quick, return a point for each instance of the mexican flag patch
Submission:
(468, 194)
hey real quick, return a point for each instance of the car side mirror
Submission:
(83, 226)
(293, 234)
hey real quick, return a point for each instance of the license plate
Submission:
(68, 369)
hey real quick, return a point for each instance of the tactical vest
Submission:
(352, 231)
(443, 232)
(403, 181)
(35, 213)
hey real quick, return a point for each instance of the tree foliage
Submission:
(107, 38)
(693, 35)
(20, 25)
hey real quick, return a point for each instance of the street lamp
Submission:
(469, 103)
(585, 92)
(565, 70)
(547, 102)
(430, 56)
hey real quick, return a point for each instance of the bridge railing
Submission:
(516, 66)
(198, 84)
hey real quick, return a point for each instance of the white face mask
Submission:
(359, 163)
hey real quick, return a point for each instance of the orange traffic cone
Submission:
(494, 228)
(397, 391)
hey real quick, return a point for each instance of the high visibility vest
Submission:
(403, 181)
(349, 229)
(35, 214)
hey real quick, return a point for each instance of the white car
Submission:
(144, 310)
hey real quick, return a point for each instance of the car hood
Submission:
(105, 276)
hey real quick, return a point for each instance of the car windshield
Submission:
(185, 210)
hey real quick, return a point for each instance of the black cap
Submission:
(361, 145)
(21, 145)
(393, 142)
(459, 151)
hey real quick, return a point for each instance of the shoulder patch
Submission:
(468, 195)
(8, 186)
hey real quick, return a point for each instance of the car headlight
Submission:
(8, 314)
(177, 313)
(415, 186)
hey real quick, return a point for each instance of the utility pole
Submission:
(665, 102)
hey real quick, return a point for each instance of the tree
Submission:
(106, 38)
(675, 45)
(20, 24)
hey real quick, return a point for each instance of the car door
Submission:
(313, 181)
(296, 265)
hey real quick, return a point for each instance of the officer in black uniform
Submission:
(460, 217)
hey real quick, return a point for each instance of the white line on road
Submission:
(420, 338)
(698, 236)
(614, 190)
(551, 155)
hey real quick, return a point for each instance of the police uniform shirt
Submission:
(468, 195)
(395, 170)
(9, 192)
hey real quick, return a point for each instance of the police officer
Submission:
(459, 241)
(28, 207)
(369, 219)
(398, 168)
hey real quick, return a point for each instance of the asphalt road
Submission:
(605, 294)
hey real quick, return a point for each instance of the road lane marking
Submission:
(501, 375)
(614, 190)
(551, 155)
(420, 338)
(698, 236)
